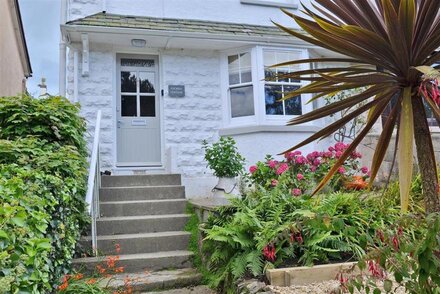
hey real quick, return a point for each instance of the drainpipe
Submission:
(63, 50)
(75, 75)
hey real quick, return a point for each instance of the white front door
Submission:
(138, 121)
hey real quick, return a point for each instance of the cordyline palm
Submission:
(384, 41)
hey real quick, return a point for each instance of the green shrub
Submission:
(270, 228)
(42, 190)
(223, 158)
(52, 119)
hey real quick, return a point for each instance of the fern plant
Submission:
(240, 239)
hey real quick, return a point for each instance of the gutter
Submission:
(67, 28)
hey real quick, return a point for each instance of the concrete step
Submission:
(141, 193)
(141, 180)
(141, 224)
(140, 262)
(157, 280)
(139, 243)
(143, 207)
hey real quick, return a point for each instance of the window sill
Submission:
(229, 131)
(272, 3)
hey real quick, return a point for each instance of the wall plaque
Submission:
(176, 91)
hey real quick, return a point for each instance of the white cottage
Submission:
(167, 74)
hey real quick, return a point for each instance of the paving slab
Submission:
(188, 290)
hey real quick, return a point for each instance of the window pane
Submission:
(283, 71)
(128, 105)
(233, 69)
(242, 101)
(148, 106)
(128, 81)
(146, 82)
(272, 94)
(245, 60)
(293, 105)
(137, 62)
(246, 75)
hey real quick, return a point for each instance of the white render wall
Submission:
(211, 10)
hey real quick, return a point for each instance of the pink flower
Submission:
(274, 183)
(282, 168)
(338, 154)
(300, 177)
(316, 162)
(297, 152)
(340, 146)
(341, 170)
(313, 168)
(364, 170)
(296, 192)
(272, 163)
(327, 154)
(300, 160)
(331, 149)
(289, 155)
(253, 169)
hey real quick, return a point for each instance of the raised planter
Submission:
(304, 275)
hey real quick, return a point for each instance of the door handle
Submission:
(119, 123)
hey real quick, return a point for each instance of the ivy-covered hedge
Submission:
(43, 172)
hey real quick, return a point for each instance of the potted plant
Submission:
(223, 158)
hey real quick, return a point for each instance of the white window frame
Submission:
(258, 82)
(226, 93)
(281, 119)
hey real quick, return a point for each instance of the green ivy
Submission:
(43, 172)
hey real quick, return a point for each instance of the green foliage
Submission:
(42, 189)
(52, 119)
(411, 256)
(223, 158)
(302, 230)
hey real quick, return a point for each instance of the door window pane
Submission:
(146, 82)
(148, 106)
(137, 62)
(242, 101)
(128, 105)
(273, 93)
(128, 81)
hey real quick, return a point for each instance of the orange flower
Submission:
(111, 261)
(78, 276)
(119, 269)
(100, 269)
(91, 281)
(117, 248)
(63, 286)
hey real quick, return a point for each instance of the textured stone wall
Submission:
(96, 92)
(197, 116)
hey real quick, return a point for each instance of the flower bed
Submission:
(299, 173)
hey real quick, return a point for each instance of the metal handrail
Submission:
(94, 182)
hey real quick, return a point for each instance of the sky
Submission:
(41, 22)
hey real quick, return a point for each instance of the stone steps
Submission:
(139, 243)
(142, 207)
(133, 263)
(145, 216)
(141, 224)
(141, 180)
(156, 280)
(142, 193)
